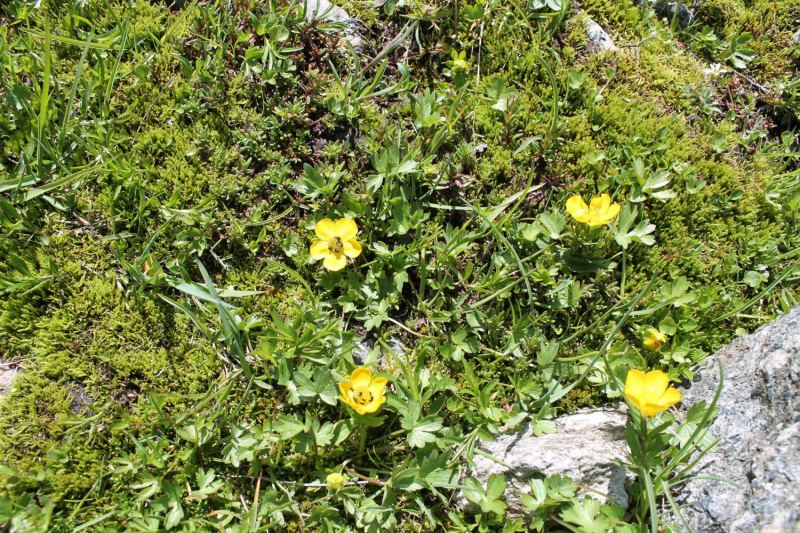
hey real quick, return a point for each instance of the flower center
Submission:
(336, 245)
(362, 395)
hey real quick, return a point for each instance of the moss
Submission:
(720, 13)
(101, 348)
(772, 24)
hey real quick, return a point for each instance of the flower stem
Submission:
(363, 439)
(648, 482)
(624, 271)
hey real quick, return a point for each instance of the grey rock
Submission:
(759, 428)
(796, 37)
(584, 448)
(598, 39)
(365, 353)
(362, 350)
(7, 373)
(666, 10)
(324, 10)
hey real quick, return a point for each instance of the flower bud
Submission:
(460, 66)
(334, 481)
(653, 339)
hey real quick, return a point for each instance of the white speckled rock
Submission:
(584, 448)
(598, 39)
(759, 428)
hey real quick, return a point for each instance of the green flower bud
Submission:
(334, 481)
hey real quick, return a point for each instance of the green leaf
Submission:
(641, 233)
(288, 427)
(423, 431)
(496, 486)
(583, 515)
(668, 326)
(553, 223)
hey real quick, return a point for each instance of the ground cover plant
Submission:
(262, 270)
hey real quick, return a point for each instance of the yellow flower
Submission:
(653, 339)
(362, 392)
(334, 481)
(649, 392)
(338, 242)
(599, 213)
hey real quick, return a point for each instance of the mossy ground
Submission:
(196, 154)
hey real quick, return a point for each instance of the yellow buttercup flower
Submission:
(362, 392)
(650, 393)
(337, 242)
(653, 339)
(334, 481)
(599, 212)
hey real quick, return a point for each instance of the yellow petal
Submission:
(653, 339)
(319, 250)
(613, 211)
(361, 377)
(345, 387)
(600, 203)
(374, 405)
(648, 410)
(671, 397)
(377, 387)
(351, 248)
(576, 207)
(346, 229)
(652, 343)
(655, 383)
(634, 387)
(325, 229)
(594, 219)
(334, 262)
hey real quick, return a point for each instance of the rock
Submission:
(666, 10)
(584, 448)
(364, 347)
(796, 37)
(7, 373)
(598, 40)
(759, 428)
(325, 11)
(361, 351)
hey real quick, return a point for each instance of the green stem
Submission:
(624, 271)
(648, 483)
(363, 439)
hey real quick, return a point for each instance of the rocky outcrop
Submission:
(759, 428)
(585, 448)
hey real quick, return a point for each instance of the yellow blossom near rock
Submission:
(363, 392)
(650, 393)
(337, 242)
(334, 481)
(599, 212)
(653, 339)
